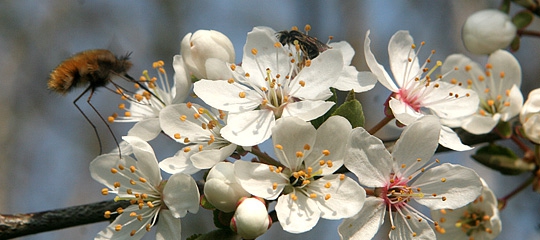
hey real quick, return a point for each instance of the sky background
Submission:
(46, 145)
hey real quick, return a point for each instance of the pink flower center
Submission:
(410, 99)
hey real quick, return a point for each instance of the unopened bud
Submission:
(251, 218)
(221, 188)
(488, 30)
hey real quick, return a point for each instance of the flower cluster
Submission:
(284, 93)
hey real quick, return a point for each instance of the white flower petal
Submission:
(368, 159)
(478, 124)
(404, 226)
(100, 169)
(399, 51)
(225, 96)
(450, 139)
(515, 99)
(332, 135)
(323, 72)
(460, 185)
(249, 128)
(124, 233)
(179, 163)
(366, 223)
(217, 69)
(147, 163)
(181, 195)
(445, 106)
(377, 68)
(503, 61)
(347, 51)
(351, 79)
(418, 141)
(257, 179)
(210, 157)
(168, 227)
(146, 129)
(182, 81)
(297, 216)
(346, 197)
(293, 134)
(307, 110)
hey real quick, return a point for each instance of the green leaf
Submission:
(351, 109)
(505, 6)
(320, 120)
(502, 159)
(522, 19)
(504, 129)
(222, 220)
(222, 234)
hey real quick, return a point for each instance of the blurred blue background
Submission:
(46, 145)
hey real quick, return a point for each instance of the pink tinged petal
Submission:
(351, 79)
(400, 52)
(293, 134)
(307, 110)
(179, 163)
(377, 68)
(366, 223)
(182, 80)
(100, 169)
(268, 56)
(249, 128)
(226, 96)
(457, 184)
(417, 144)
(337, 198)
(210, 157)
(332, 135)
(147, 163)
(449, 139)
(146, 129)
(169, 227)
(403, 112)
(422, 229)
(321, 75)
(462, 102)
(503, 61)
(297, 216)
(478, 124)
(181, 195)
(123, 219)
(258, 179)
(516, 102)
(368, 159)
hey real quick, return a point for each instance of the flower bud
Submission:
(488, 30)
(530, 116)
(202, 45)
(221, 188)
(251, 218)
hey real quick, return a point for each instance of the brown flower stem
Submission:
(381, 124)
(502, 201)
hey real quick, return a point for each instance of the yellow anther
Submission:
(132, 182)
(129, 191)
(328, 185)
(200, 147)
(107, 214)
(233, 67)
(403, 165)
(329, 163)
(177, 136)
(138, 97)
(342, 177)
(183, 118)
(299, 154)
(302, 83)
(114, 170)
(308, 63)
(490, 102)
(141, 179)
(277, 44)
(307, 147)
(443, 198)
(413, 46)
(104, 191)
(127, 114)
(118, 227)
(132, 168)
(293, 197)
(274, 186)
(116, 184)
(327, 196)
(453, 81)
(306, 182)
(187, 149)
(242, 94)
(150, 204)
(313, 195)
(278, 146)
(110, 119)
(481, 78)
(254, 51)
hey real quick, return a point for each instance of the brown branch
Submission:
(17, 225)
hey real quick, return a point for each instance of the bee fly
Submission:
(310, 46)
(93, 68)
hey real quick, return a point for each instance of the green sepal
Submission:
(515, 44)
(502, 159)
(205, 203)
(351, 109)
(504, 129)
(320, 120)
(522, 19)
(505, 6)
(222, 220)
